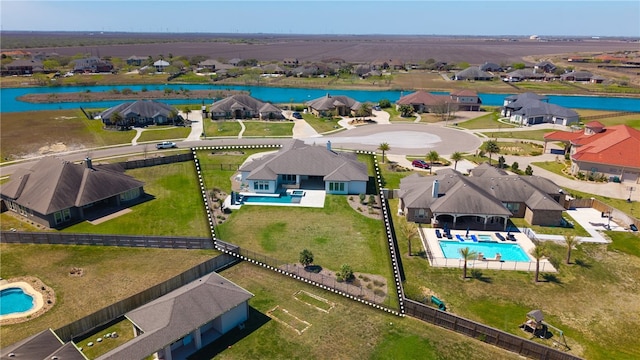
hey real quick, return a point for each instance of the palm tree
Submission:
(467, 255)
(384, 147)
(432, 156)
(187, 111)
(571, 241)
(117, 119)
(410, 231)
(405, 110)
(456, 156)
(364, 110)
(538, 253)
(491, 147)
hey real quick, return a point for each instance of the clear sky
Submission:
(418, 17)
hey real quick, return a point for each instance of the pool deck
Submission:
(27, 288)
(437, 259)
(311, 198)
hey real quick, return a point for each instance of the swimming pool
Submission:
(284, 198)
(485, 238)
(508, 252)
(15, 300)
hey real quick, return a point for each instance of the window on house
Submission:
(289, 178)
(336, 186)
(513, 207)
(62, 216)
(421, 213)
(261, 185)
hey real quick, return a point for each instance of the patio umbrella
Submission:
(467, 235)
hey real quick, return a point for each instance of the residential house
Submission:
(545, 66)
(472, 73)
(141, 113)
(580, 76)
(161, 65)
(184, 320)
(300, 166)
(522, 75)
(57, 193)
(24, 67)
(612, 151)
(466, 100)
(241, 106)
(484, 201)
(491, 67)
(274, 69)
(529, 109)
(330, 105)
(235, 62)
(134, 60)
(291, 62)
(43, 345)
(92, 65)
(387, 64)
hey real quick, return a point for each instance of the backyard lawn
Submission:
(164, 133)
(221, 128)
(268, 128)
(571, 300)
(110, 274)
(350, 330)
(175, 210)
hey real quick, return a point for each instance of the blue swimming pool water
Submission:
(14, 300)
(282, 199)
(509, 252)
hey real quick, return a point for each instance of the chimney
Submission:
(435, 189)
(329, 145)
(87, 161)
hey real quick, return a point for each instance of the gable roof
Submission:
(617, 145)
(473, 72)
(43, 345)
(242, 102)
(329, 102)
(530, 104)
(422, 97)
(301, 159)
(141, 108)
(174, 315)
(53, 184)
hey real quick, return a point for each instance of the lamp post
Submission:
(630, 188)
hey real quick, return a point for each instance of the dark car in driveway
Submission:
(297, 115)
(420, 164)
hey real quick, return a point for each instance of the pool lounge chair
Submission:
(460, 238)
(500, 237)
(511, 237)
(438, 234)
(474, 238)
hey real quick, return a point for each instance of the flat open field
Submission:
(351, 48)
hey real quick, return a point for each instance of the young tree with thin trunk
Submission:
(187, 111)
(432, 157)
(467, 254)
(570, 240)
(538, 253)
(384, 147)
(410, 231)
(306, 258)
(456, 156)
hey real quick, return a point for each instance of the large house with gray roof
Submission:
(333, 105)
(185, 319)
(242, 106)
(529, 109)
(57, 193)
(141, 113)
(300, 166)
(472, 73)
(483, 201)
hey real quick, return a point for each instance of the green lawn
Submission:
(219, 165)
(571, 300)
(554, 166)
(215, 128)
(123, 328)
(628, 243)
(175, 210)
(349, 331)
(282, 232)
(268, 128)
(394, 115)
(488, 121)
(321, 125)
(164, 133)
(505, 132)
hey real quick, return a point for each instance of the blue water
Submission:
(9, 102)
(485, 238)
(14, 300)
(282, 199)
(509, 252)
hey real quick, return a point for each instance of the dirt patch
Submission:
(48, 299)
(371, 210)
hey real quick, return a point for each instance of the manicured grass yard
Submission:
(349, 331)
(214, 128)
(321, 125)
(176, 210)
(124, 330)
(268, 128)
(505, 132)
(164, 132)
(110, 274)
(488, 121)
(595, 300)
(335, 234)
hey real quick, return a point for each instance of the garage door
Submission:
(629, 176)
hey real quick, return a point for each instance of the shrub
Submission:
(515, 166)
(345, 273)
(362, 197)
(384, 103)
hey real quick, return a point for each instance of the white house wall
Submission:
(232, 318)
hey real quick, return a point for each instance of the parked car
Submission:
(420, 164)
(166, 145)
(296, 115)
(377, 108)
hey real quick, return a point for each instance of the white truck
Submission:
(166, 145)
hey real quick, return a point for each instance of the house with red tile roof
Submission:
(612, 151)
